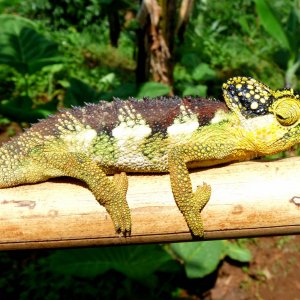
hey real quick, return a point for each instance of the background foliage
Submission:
(58, 54)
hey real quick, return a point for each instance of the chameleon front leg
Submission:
(189, 203)
(109, 193)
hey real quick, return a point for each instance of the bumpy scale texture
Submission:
(167, 134)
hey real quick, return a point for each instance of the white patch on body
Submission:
(130, 134)
(130, 130)
(220, 115)
(80, 139)
(185, 124)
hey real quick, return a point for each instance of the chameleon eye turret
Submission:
(247, 96)
(286, 110)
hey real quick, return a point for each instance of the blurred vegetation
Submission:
(120, 272)
(56, 54)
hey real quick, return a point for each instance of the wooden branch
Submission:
(248, 199)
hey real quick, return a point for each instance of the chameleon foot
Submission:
(120, 215)
(119, 210)
(192, 213)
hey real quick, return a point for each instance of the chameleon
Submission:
(164, 134)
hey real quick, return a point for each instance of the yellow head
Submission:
(271, 118)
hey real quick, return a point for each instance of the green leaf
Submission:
(4, 4)
(4, 121)
(14, 24)
(108, 78)
(136, 262)
(153, 89)
(271, 23)
(79, 93)
(236, 252)
(28, 51)
(122, 91)
(203, 72)
(293, 30)
(181, 73)
(197, 90)
(190, 59)
(243, 21)
(200, 258)
(53, 68)
(22, 112)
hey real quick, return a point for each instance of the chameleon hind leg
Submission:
(189, 203)
(109, 193)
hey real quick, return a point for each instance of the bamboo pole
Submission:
(248, 199)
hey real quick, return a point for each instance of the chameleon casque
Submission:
(166, 134)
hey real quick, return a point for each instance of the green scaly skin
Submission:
(158, 135)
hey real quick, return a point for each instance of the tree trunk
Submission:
(114, 27)
(156, 41)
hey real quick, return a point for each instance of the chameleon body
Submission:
(154, 135)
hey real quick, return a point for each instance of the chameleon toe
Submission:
(202, 196)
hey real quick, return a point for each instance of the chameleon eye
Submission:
(247, 96)
(286, 111)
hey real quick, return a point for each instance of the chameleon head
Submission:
(270, 117)
(247, 97)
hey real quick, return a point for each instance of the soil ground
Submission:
(273, 273)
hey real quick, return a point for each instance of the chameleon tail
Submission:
(18, 166)
(10, 166)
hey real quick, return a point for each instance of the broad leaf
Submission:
(197, 90)
(200, 258)
(136, 262)
(203, 72)
(79, 93)
(236, 252)
(14, 24)
(123, 91)
(27, 51)
(20, 111)
(153, 89)
(293, 30)
(271, 23)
